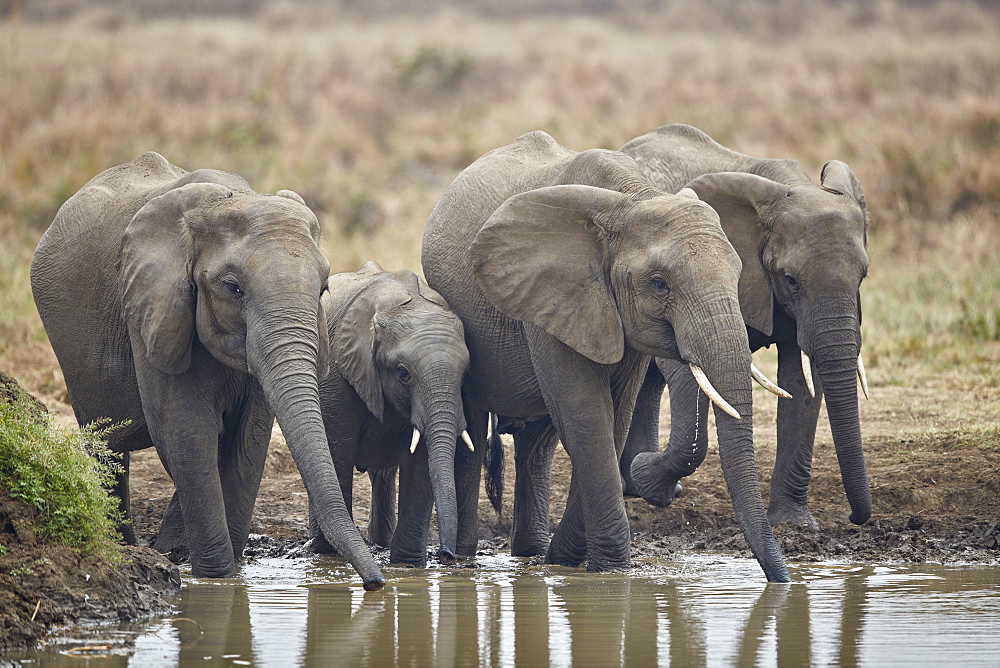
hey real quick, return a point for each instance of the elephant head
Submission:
(241, 274)
(803, 251)
(601, 271)
(402, 349)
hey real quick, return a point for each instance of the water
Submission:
(702, 611)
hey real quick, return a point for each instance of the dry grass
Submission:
(369, 119)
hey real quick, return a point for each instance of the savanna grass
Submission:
(369, 116)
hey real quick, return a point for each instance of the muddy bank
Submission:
(44, 587)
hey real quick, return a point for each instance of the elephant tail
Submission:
(494, 465)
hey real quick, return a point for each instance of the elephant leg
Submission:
(409, 542)
(120, 490)
(185, 430)
(468, 473)
(241, 466)
(170, 540)
(656, 475)
(797, 417)
(578, 394)
(569, 541)
(644, 433)
(534, 447)
(382, 515)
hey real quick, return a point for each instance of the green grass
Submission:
(62, 472)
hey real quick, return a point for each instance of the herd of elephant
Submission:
(197, 311)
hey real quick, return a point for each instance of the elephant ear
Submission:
(352, 344)
(154, 278)
(739, 199)
(354, 338)
(540, 258)
(838, 178)
(292, 195)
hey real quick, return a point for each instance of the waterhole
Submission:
(701, 611)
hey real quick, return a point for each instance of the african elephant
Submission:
(804, 257)
(398, 359)
(189, 305)
(568, 271)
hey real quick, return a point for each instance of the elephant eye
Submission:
(659, 285)
(792, 283)
(233, 286)
(402, 374)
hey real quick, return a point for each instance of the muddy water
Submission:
(702, 611)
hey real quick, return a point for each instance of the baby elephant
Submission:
(393, 401)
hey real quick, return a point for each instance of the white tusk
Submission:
(862, 377)
(711, 392)
(766, 383)
(416, 439)
(807, 372)
(468, 441)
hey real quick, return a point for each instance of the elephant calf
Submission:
(393, 401)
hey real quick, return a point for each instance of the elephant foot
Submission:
(794, 514)
(595, 566)
(407, 560)
(530, 549)
(657, 487)
(562, 554)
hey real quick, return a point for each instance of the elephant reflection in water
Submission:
(523, 620)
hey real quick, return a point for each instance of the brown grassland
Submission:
(370, 117)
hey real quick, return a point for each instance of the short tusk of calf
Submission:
(416, 439)
(766, 383)
(711, 392)
(468, 441)
(807, 372)
(862, 377)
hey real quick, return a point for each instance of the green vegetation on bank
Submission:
(63, 473)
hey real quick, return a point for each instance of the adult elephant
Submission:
(393, 402)
(189, 305)
(804, 257)
(568, 271)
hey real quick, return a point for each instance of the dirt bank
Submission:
(44, 586)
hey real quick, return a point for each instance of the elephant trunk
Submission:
(835, 353)
(444, 421)
(728, 369)
(282, 354)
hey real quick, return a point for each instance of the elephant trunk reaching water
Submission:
(835, 353)
(282, 358)
(442, 406)
(729, 375)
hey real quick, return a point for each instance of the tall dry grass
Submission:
(370, 118)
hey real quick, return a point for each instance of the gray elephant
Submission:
(568, 271)
(393, 401)
(189, 305)
(804, 257)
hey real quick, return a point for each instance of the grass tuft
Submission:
(64, 473)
